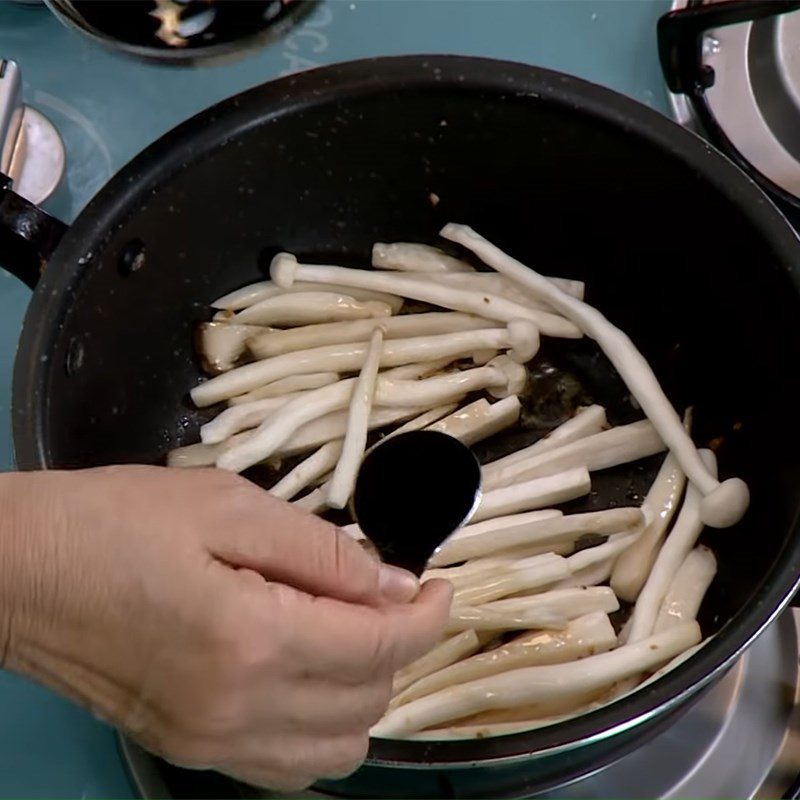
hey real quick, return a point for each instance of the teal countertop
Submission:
(108, 107)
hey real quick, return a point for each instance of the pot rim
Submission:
(215, 126)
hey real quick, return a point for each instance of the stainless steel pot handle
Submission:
(32, 162)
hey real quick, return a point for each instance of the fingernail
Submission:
(397, 585)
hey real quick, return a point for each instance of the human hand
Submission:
(218, 626)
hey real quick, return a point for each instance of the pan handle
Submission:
(28, 235)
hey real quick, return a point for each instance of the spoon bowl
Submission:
(413, 492)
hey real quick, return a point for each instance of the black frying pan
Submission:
(678, 247)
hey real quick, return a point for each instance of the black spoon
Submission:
(413, 491)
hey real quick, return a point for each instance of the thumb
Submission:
(289, 546)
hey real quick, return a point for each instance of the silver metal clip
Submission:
(31, 151)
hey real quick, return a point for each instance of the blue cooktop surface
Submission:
(108, 107)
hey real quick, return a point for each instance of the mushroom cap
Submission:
(282, 270)
(523, 336)
(515, 373)
(725, 505)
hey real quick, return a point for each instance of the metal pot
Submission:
(677, 245)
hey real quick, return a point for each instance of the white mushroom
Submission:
(306, 308)
(422, 421)
(500, 285)
(501, 376)
(593, 575)
(284, 386)
(677, 545)
(534, 494)
(523, 336)
(262, 290)
(320, 463)
(275, 343)
(549, 610)
(529, 685)
(526, 575)
(479, 420)
(243, 416)
(602, 553)
(723, 504)
(584, 636)
(663, 498)
(334, 426)
(687, 589)
(346, 357)
(280, 424)
(586, 422)
(600, 451)
(494, 536)
(443, 655)
(355, 440)
(221, 345)
(202, 455)
(315, 502)
(414, 371)
(285, 270)
(412, 257)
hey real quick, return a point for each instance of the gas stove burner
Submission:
(740, 740)
(734, 75)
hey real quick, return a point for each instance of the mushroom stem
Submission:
(586, 422)
(593, 575)
(523, 530)
(687, 589)
(422, 421)
(355, 440)
(608, 551)
(530, 685)
(345, 358)
(243, 416)
(306, 308)
(584, 636)
(479, 420)
(723, 504)
(280, 424)
(602, 450)
(546, 610)
(634, 565)
(315, 502)
(320, 463)
(534, 494)
(285, 270)
(412, 257)
(524, 576)
(256, 292)
(284, 386)
(676, 547)
(275, 343)
(220, 345)
(499, 285)
(334, 426)
(443, 655)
